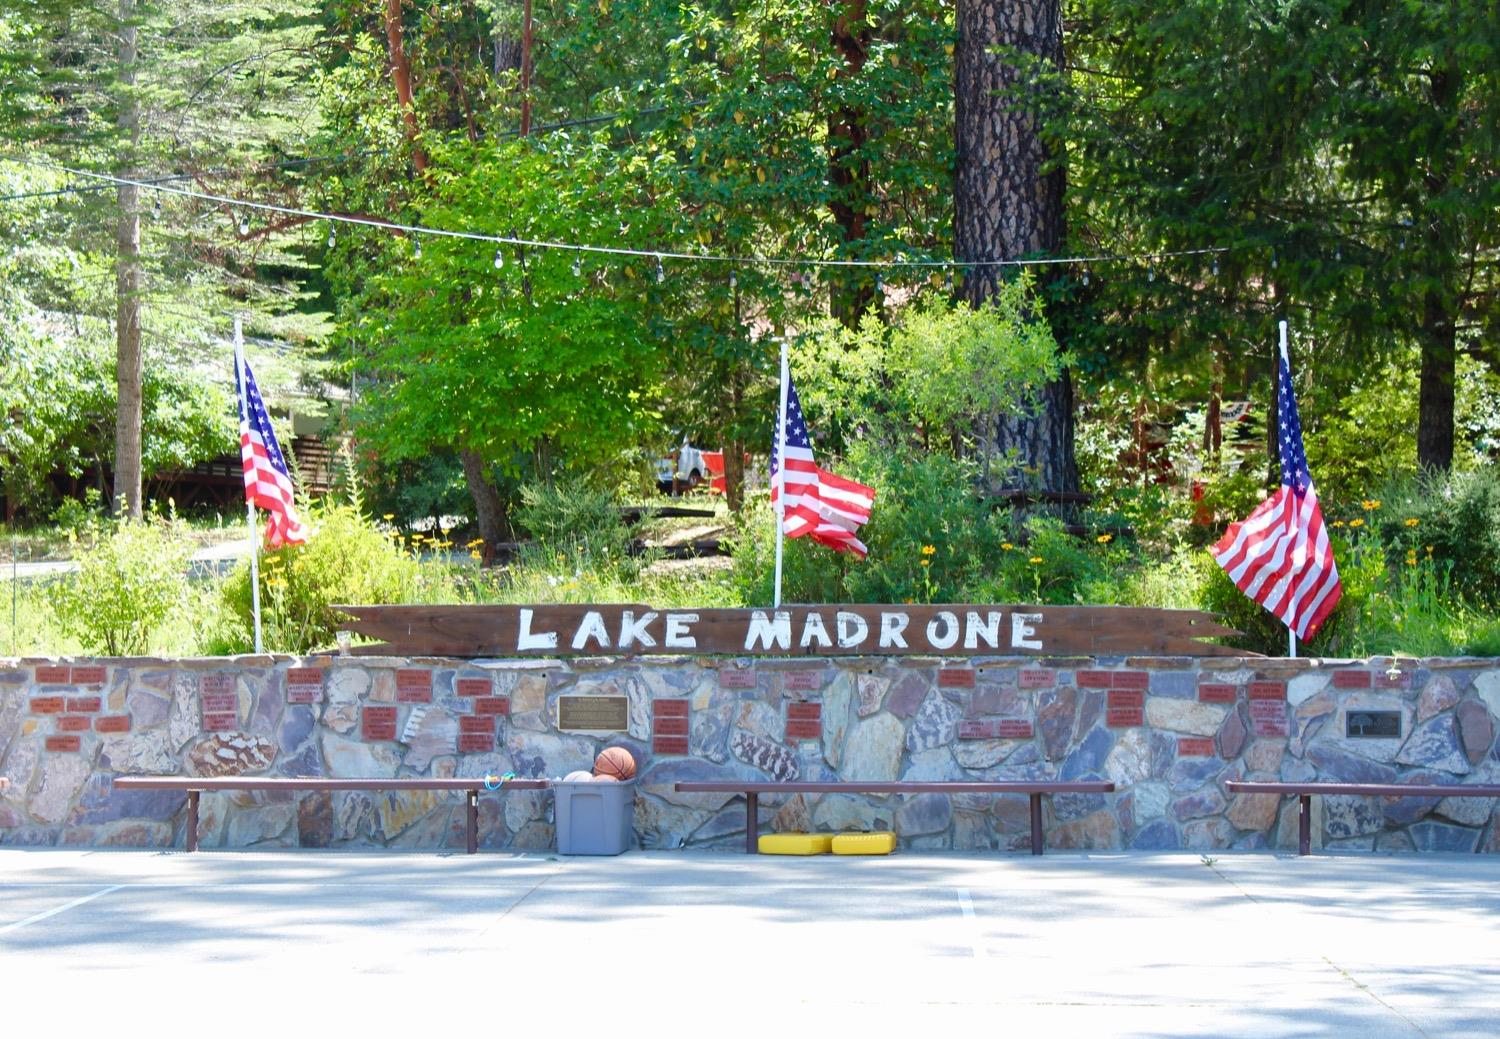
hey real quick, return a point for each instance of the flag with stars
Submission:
(268, 484)
(816, 503)
(1279, 556)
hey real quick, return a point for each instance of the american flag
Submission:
(267, 482)
(1279, 556)
(817, 503)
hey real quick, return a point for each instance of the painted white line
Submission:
(60, 909)
(975, 938)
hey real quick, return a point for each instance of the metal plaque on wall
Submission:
(593, 713)
(1382, 725)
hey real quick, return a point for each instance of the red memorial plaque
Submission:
(1268, 717)
(802, 681)
(1131, 680)
(89, 675)
(736, 678)
(472, 723)
(1015, 729)
(220, 722)
(73, 723)
(1125, 708)
(669, 744)
(378, 723)
(804, 729)
(669, 726)
(215, 684)
(413, 685)
(476, 742)
(219, 703)
(1267, 690)
(52, 674)
(1036, 677)
(474, 687)
(304, 685)
(84, 704)
(63, 743)
(491, 705)
(47, 705)
(956, 678)
(1216, 692)
(1093, 679)
(1194, 747)
(669, 708)
(1385, 681)
(804, 711)
(979, 729)
(1351, 679)
(112, 723)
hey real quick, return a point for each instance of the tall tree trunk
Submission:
(128, 365)
(401, 77)
(848, 168)
(489, 507)
(1006, 207)
(1437, 334)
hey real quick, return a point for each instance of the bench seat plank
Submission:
(1304, 792)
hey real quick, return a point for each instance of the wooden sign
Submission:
(954, 630)
(593, 713)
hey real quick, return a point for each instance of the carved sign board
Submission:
(953, 630)
(593, 713)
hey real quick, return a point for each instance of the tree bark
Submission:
(1437, 334)
(401, 77)
(129, 370)
(489, 507)
(1006, 206)
(848, 169)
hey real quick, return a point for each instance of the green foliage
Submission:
(125, 588)
(1451, 520)
(576, 522)
(347, 560)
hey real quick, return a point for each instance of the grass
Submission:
(54, 543)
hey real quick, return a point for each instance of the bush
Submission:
(347, 560)
(1452, 519)
(126, 588)
(575, 522)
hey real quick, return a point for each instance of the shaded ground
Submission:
(674, 943)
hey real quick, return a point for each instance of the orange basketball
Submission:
(616, 763)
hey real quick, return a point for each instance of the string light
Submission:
(1338, 253)
(577, 266)
(416, 247)
(1150, 272)
(1085, 277)
(661, 273)
(1216, 266)
(1274, 264)
(244, 225)
(330, 235)
(499, 259)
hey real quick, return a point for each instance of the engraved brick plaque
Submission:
(88, 675)
(804, 711)
(1125, 708)
(1093, 679)
(669, 726)
(378, 723)
(304, 685)
(413, 685)
(1351, 679)
(84, 704)
(802, 681)
(1216, 692)
(220, 703)
(112, 723)
(63, 743)
(220, 722)
(1195, 747)
(736, 678)
(1268, 717)
(47, 705)
(804, 729)
(493, 705)
(73, 723)
(215, 684)
(956, 678)
(474, 723)
(474, 687)
(1036, 677)
(1267, 690)
(52, 674)
(979, 729)
(669, 708)
(1015, 729)
(476, 742)
(669, 744)
(1130, 680)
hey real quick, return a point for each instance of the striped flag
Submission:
(1279, 556)
(267, 482)
(818, 504)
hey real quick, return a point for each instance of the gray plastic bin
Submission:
(594, 818)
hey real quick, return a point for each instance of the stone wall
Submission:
(1168, 731)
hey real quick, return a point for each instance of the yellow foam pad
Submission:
(864, 843)
(795, 843)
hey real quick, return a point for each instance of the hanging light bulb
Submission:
(1274, 263)
(1085, 277)
(661, 273)
(156, 204)
(879, 283)
(577, 266)
(1216, 266)
(244, 225)
(416, 246)
(733, 281)
(1338, 253)
(499, 259)
(330, 236)
(1150, 272)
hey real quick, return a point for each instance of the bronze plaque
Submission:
(1379, 725)
(112, 723)
(90, 675)
(474, 687)
(593, 713)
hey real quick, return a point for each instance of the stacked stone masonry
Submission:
(1169, 732)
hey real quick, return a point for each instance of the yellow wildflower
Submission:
(1356, 523)
(1413, 522)
(1411, 560)
(1338, 523)
(389, 516)
(1105, 539)
(474, 555)
(1006, 545)
(475, 543)
(1429, 550)
(928, 550)
(926, 562)
(1370, 505)
(1034, 560)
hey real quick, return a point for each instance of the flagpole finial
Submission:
(1282, 326)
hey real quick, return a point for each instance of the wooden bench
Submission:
(196, 786)
(753, 790)
(1304, 793)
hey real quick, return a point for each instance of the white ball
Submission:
(580, 776)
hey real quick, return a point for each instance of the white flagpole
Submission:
(1291, 634)
(244, 383)
(786, 381)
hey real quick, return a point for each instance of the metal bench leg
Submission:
(752, 823)
(192, 821)
(472, 821)
(1036, 824)
(1304, 824)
